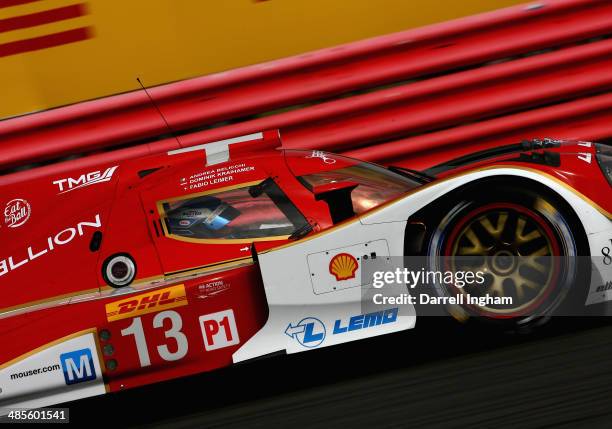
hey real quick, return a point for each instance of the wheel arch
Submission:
(421, 223)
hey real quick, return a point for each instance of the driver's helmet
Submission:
(198, 215)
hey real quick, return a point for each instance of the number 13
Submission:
(176, 324)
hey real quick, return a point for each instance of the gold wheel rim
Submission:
(512, 246)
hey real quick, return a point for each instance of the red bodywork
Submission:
(49, 255)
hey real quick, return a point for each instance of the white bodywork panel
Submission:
(294, 296)
(597, 226)
(218, 152)
(61, 372)
(291, 298)
(601, 273)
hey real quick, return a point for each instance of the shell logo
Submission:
(343, 266)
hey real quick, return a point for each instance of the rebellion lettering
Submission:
(62, 238)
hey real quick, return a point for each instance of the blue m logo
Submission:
(78, 366)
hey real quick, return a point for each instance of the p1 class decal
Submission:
(219, 330)
(84, 180)
(16, 213)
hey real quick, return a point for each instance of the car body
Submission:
(195, 259)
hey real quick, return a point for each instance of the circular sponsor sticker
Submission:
(16, 213)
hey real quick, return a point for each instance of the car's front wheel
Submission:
(525, 247)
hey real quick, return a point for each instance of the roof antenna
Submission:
(172, 132)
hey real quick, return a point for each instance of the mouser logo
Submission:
(60, 239)
(70, 184)
(78, 366)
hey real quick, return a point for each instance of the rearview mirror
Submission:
(337, 195)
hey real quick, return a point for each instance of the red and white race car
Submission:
(192, 260)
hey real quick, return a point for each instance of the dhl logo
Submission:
(37, 19)
(162, 299)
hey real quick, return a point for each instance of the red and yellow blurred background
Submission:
(58, 52)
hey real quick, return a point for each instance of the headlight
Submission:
(604, 158)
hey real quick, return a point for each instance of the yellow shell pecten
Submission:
(343, 266)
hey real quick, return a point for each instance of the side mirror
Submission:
(337, 195)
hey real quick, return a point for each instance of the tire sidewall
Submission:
(547, 208)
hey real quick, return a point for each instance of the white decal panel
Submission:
(62, 372)
(340, 268)
(601, 268)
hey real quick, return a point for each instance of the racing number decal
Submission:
(606, 252)
(174, 333)
(219, 330)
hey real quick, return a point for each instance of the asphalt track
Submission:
(439, 375)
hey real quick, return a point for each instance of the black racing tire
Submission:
(527, 245)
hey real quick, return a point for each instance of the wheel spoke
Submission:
(522, 238)
(532, 262)
(495, 231)
(477, 249)
(542, 251)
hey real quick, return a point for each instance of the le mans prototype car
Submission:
(201, 257)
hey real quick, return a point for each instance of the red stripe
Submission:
(43, 42)
(40, 18)
(9, 3)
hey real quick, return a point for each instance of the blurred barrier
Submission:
(60, 52)
(412, 98)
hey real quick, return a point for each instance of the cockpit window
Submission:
(377, 185)
(256, 212)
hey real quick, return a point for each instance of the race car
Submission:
(195, 259)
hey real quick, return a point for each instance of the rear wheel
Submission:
(523, 245)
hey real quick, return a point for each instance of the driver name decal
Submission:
(213, 176)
